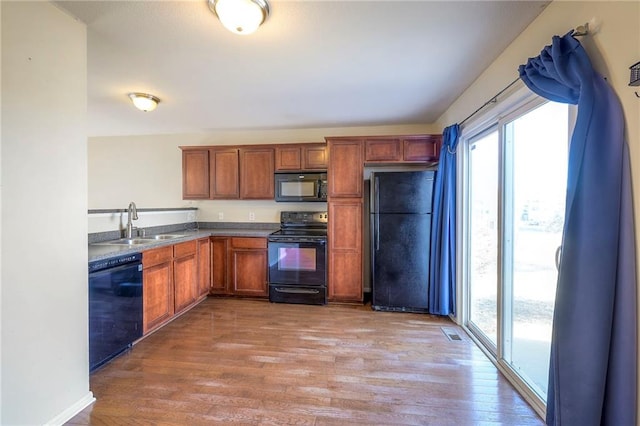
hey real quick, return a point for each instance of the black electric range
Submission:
(298, 259)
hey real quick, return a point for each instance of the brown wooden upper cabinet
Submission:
(297, 157)
(228, 173)
(383, 150)
(225, 173)
(346, 167)
(246, 171)
(420, 149)
(256, 173)
(195, 174)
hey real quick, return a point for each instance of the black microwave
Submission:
(301, 186)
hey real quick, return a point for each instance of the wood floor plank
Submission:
(231, 361)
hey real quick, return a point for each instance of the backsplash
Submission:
(115, 220)
(105, 225)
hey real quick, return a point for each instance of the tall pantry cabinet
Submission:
(345, 219)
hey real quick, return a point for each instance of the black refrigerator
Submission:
(400, 221)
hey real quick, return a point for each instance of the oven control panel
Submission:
(303, 218)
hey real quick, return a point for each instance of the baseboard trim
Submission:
(70, 412)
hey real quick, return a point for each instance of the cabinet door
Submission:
(225, 183)
(314, 157)
(204, 266)
(345, 173)
(345, 279)
(220, 265)
(249, 272)
(185, 273)
(288, 158)
(423, 148)
(157, 295)
(195, 174)
(383, 150)
(256, 173)
(345, 250)
(345, 225)
(249, 266)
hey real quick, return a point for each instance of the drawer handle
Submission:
(297, 290)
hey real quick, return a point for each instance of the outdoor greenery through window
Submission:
(516, 174)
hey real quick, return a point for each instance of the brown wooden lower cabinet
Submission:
(185, 275)
(157, 287)
(345, 250)
(204, 266)
(345, 282)
(249, 267)
(239, 266)
(170, 281)
(220, 266)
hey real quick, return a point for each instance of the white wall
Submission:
(0, 217)
(613, 46)
(148, 169)
(45, 362)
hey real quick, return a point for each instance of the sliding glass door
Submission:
(536, 174)
(483, 236)
(516, 173)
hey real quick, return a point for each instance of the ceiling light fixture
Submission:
(144, 101)
(240, 16)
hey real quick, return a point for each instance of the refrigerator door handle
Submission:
(376, 198)
(377, 225)
(376, 210)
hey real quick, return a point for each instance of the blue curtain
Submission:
(442, 264)
(592, 374)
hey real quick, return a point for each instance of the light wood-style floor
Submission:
(230, 361)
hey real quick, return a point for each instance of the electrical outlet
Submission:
(252, 216)
(220, 215)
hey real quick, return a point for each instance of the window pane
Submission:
(540, 150)
(483, 234)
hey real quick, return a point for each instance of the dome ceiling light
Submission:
(240, 16)
(144, 101)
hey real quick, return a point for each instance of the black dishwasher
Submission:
(115, 306)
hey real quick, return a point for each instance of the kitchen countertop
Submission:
(100, 251)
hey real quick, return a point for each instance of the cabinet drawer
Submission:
(185, 249)
(258, 243)
(157, 256)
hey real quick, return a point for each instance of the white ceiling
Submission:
(312, 64)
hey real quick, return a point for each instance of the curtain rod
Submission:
(493, 100)
(579, 31)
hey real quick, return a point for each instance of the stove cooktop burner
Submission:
(301, 232)
(302, 224)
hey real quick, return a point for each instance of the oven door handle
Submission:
(296, 290)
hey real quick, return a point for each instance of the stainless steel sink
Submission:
(127, 242)
(164, 237)
(139, 241)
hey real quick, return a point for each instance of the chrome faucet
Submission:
(132, 214)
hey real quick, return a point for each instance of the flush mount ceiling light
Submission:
(240, 16)
(144, 101)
